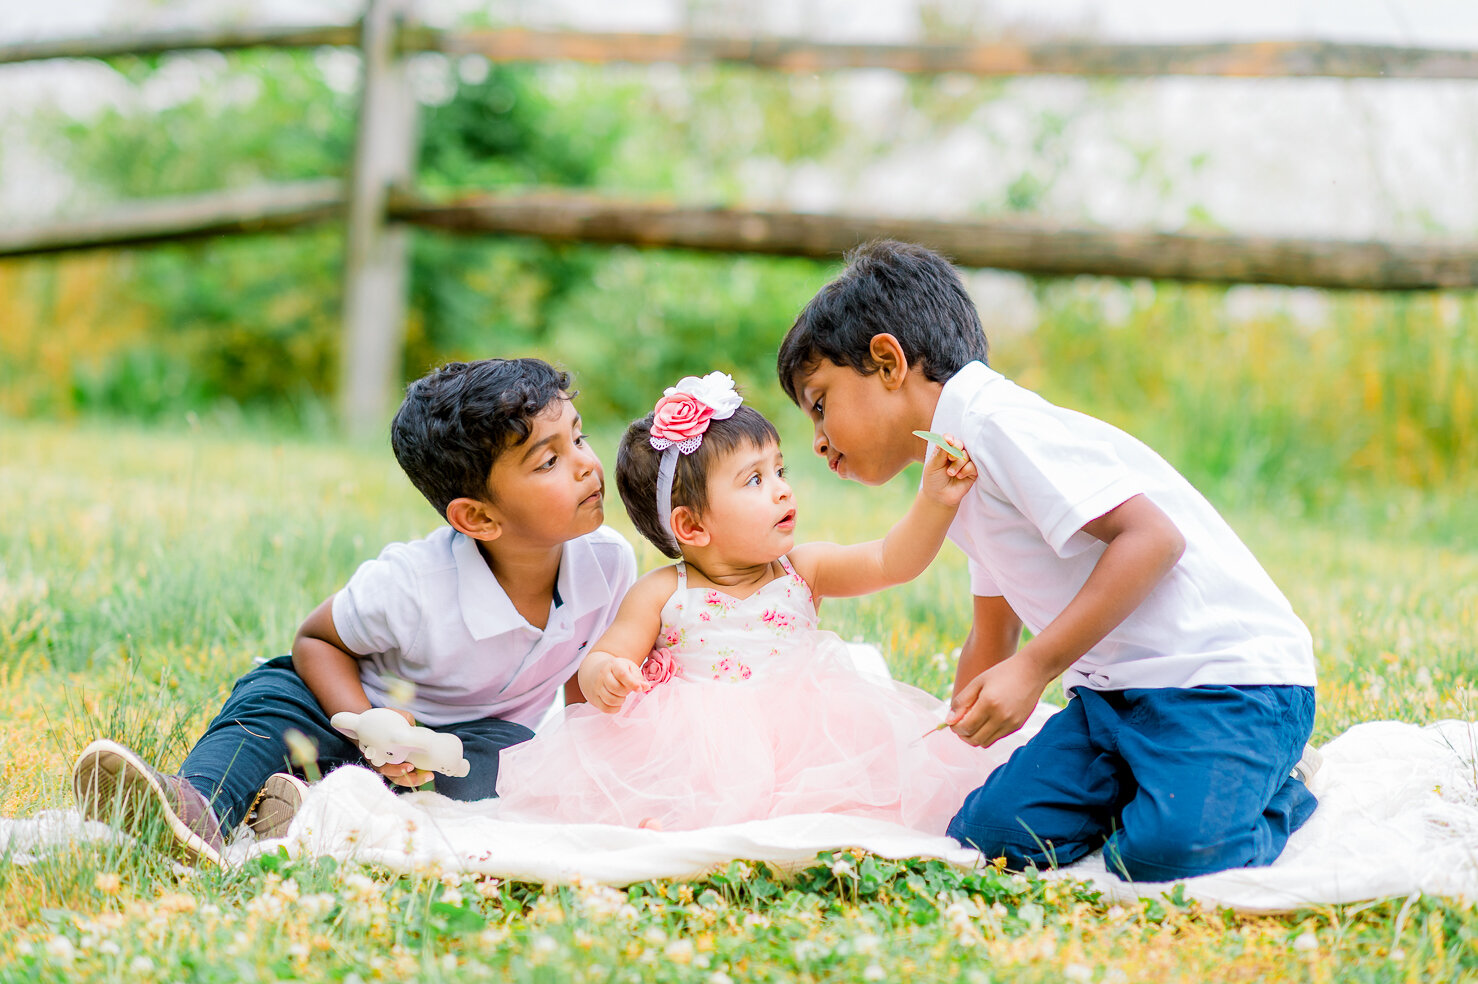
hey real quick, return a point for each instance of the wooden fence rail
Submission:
(183, 39)
(375, 216)
(1035, 248)
(1261, 59)
(1252, 59)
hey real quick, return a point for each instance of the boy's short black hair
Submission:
(456, 420)
(907, 291)
(637, 463)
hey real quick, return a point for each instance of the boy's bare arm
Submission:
(332, 673)
(1143, 544)
(326, 665)
(994, 636)
(908, 548)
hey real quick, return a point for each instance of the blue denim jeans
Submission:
(1171, 782)
(245, 743)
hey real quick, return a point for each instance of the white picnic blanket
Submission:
(1398, 814)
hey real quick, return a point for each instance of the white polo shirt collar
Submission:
(954, 398)
(487, 610)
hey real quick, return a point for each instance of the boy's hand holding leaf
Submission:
(950, 473)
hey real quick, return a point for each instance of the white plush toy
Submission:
(385, 736)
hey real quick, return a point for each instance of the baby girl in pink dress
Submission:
(745, 709)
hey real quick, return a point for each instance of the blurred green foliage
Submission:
(1373, 392)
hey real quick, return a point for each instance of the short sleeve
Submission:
(379, 610)
(982, 585)
(1054, 477)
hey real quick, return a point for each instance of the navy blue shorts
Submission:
(1170, 782)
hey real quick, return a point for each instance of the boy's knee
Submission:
(1168, 853)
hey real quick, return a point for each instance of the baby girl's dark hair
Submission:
(637, 463)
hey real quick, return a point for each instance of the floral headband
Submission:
(679, 422)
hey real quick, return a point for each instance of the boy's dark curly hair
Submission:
(456, 420)
(637, 463)
(907, 291)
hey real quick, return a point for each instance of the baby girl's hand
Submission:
(947, 478)
(611, 679)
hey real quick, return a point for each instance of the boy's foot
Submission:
(1308, 764)
(110, 780)
(276, 805)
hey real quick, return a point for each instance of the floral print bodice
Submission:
(715, 636)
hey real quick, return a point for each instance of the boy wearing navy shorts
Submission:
(1191, 680)
(471, 630)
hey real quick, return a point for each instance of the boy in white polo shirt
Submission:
(471, 630)
(1191, 679)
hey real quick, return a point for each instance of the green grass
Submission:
(142, 571)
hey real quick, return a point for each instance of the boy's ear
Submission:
(887, 354)
(475, 518)
(688, 528)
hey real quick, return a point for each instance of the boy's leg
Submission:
(482, 740)
(1212, 769)
(1056, 797)
(246, 742)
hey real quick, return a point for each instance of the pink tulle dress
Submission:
(764, 716)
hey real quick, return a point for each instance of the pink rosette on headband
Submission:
(682, 416)
(659, 666)
(679, 421)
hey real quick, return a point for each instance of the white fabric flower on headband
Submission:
(679, 421)
(681, 417)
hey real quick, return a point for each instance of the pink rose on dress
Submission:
(679, 417)
(659, 666)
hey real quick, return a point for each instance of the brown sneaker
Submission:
(111, 781)
(276, 805)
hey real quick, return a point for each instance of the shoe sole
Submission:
(276, 806)
(112, 783)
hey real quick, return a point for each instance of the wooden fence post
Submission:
(376, 255)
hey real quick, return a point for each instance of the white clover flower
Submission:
(109, 949)
(866, 944)
(873, 972)
(841, 867)
(808, 950)
(655, 936)
(719, 977)
(317, 905)
(543, 945)
(680, 951)
(1307, 942)
(1078, 973)
(298, 951)
(61, 949)
(451, 896)
(141, 965)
